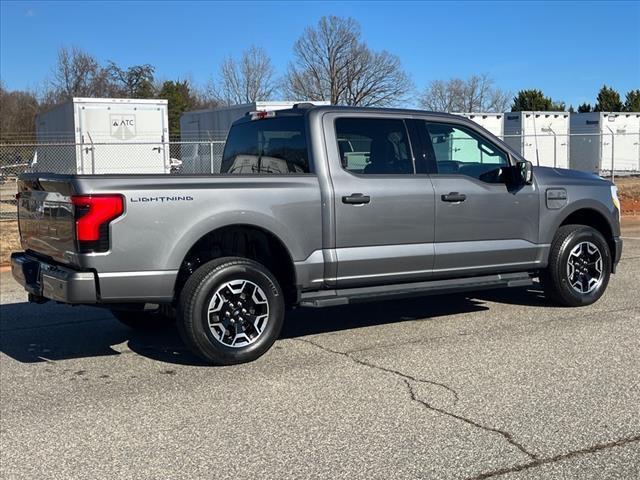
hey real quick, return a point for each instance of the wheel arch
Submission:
(591, 216)
(244, 240)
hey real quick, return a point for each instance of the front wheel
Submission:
(231, 311)
(579, 266)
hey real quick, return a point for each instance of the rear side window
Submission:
(275, 146)
(374, 146)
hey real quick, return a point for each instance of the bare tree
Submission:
(322, 56)
(375, 79)
(78, 74)
(475, 94)
(250, 79)
(332, 63)
(18, 113)
(499, 100)
(443, 96)
(136, 81)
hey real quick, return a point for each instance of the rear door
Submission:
(483, 223)
(383, 209)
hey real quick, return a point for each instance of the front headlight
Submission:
(615, 199)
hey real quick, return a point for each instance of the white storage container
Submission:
(540, 137)
(214, 123)
(493, 122)
(605, 141)
(104, 135)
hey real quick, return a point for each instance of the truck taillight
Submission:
(93, 213)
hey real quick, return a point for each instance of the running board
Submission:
(329, 298)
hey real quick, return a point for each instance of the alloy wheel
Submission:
(238, 313)
(584, 267)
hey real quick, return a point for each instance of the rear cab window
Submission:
(374, 146)
(272, 146)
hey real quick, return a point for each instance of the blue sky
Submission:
(567, 49)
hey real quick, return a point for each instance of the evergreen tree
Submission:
(608, 100)
(585, 108)
(178, 94)
(632, 101)
(534, 100)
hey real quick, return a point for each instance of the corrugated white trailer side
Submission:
(493, 122)
(605, 141)
(109, 135)
(540, 137)
(214, 123)
(202, 127)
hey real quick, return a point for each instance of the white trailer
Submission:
(605, 141)
(540, 137)
(493, 122)
(104, 135)
(214, 123)
(203, 132)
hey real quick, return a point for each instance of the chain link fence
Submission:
(170, 158)
(605, 154)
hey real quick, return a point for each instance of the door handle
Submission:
(356, 199)
(454, 197)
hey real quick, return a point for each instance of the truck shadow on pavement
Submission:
(49, 333)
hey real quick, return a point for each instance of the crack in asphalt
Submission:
(507, 436)
(383, 369)
(557, 458)
(407, 379)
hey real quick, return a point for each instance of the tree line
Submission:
(330, 62)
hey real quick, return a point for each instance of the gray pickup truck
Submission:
(315, 207)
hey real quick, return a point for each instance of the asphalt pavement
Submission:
(487, 385)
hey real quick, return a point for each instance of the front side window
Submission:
(275, 146)
(461, 151)
(374, 146)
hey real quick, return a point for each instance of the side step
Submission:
(329, 298)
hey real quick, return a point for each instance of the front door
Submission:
(484, 223)
(383, 209)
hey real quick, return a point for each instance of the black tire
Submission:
(212, 284)
(143, 320)
(555, 278)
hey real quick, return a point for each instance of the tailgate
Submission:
(46, 216)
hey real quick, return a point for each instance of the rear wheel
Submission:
(231, 311)
(579, 266)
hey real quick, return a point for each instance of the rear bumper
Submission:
(65, 284)
(53, 282)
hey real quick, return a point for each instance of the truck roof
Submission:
(301, 109)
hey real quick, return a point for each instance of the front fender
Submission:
(551, 220)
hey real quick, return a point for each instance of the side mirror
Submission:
(525, 172)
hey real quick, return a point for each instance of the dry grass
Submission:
(629, 192)
(9, 240)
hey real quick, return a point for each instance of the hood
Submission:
(566, 176)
